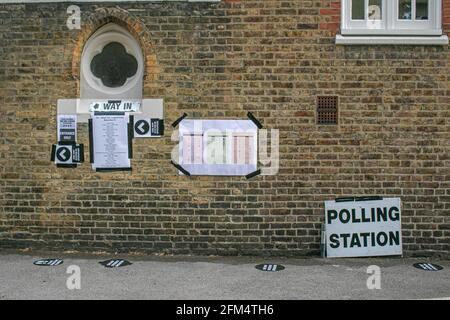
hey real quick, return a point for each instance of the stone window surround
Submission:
(92, 86)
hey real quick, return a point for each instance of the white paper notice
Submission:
(218, 147)
(193, 148)
(67, 128)
(110, 138)
(242, 149)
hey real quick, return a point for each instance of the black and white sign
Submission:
(64, 154)
(67, 128)
(148, 128)
(115, 106)
(363, 228)
(142, 127)
(68, 154)
(270, 267)
(110, 142)
(48, 262)
(428, 266)
(115, 263)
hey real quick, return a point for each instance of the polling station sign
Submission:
(363, 228)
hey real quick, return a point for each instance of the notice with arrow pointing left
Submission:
(68, 154)
(63, 154)
(145, 127)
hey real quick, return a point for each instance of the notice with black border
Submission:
(110, 139)
(67, 128)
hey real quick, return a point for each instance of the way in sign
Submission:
(115, 105)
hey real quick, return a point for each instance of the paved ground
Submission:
(219, 278)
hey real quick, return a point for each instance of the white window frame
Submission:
(390, 25)
(361, 26)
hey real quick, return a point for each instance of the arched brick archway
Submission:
(124, 19)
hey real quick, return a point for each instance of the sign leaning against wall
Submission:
(363, 228)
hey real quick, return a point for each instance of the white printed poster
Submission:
(218, 147)
(110, 139)
(67, 128)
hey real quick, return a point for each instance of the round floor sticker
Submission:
(428, 266)
(115, 263)
(270, 267)
(48, 262)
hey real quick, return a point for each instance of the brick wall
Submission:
(446, 16)
(272, 58)
(330, 15)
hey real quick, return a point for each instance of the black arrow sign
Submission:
(48, 262)
(142, 127)
(115, 263)
(63, 154)
(428, 266)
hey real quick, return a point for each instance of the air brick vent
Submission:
(327, 110)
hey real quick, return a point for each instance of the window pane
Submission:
(404, 10)
(421, 9)
(358, 10)
(375, 10)
(114, 65)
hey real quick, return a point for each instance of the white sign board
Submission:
(145, 127)
(115, 106)
(68, 154)
(67, 128)
(110, 139)
(363, 228)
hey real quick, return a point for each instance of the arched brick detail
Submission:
(123, 18)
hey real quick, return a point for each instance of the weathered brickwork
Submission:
(270, 57)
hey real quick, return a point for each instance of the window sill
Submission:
(392, 40)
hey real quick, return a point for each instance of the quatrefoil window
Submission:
(114, 65)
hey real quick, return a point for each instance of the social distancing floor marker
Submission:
(115, 263)
(270, 267)
(48, 262)
(428, 266)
